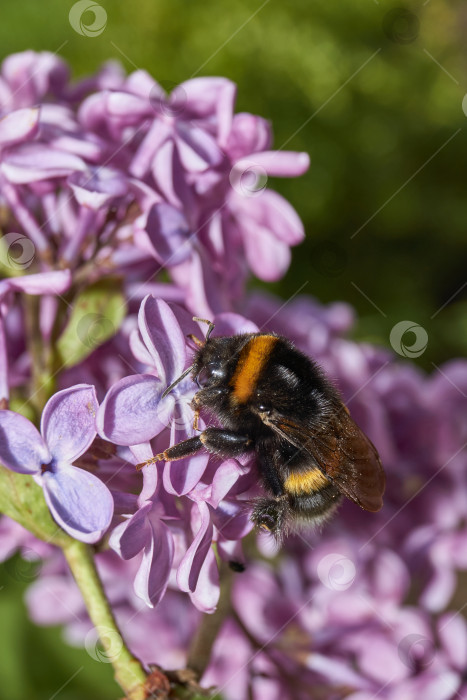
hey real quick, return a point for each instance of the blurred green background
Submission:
(373, 91)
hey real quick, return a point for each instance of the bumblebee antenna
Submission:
(182, 376)
(210, 324)
(188, 370)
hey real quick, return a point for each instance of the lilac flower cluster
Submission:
(163, 199)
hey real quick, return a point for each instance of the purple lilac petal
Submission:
(278, 215)
(186, 323)
(439, 686)
(198, 150)
(132, 411)
(163, 338)
(19, 125)
(249, 134)
(169, 233)
(181, 477)
(98, 187)
(22, 448)
(224, 479)
(138, 348)
(229, 323)
(31, 75)
(231, 550)
(55, 282)
(205, 596)
(68, 422)
(232, 519)
(381, 659)
(141, 83)
(153, 574)
(452, 631)
(271, 211)
(32, 162)
(336, 671)
(279, 163)
(4, 374)
(200, 284)
(51, 600)
(268, 257)
(157, 134)
(206, 97)
(190, 566)
(131, 536)
(150, 479)
(79, 501)
(170, 177)
(127, 108)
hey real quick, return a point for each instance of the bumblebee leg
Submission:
(272, 515)
(196, 419)
(223, 442)
(196, 406)
(183, 449)
(226, 443)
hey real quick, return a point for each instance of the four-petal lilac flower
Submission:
(78, 500)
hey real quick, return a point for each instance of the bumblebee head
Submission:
(200, 344)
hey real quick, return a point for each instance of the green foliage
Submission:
(96, 316)
(35, 663)
(23, 500)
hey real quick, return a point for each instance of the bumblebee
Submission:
(273, 400)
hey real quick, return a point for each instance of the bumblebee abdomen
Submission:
(303, 483)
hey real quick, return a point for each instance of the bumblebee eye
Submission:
(208, 373)
(264, 409)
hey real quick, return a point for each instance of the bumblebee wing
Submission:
(342, 452)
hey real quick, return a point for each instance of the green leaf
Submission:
(96, 316)
(23, 500)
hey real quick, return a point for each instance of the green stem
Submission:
(200, 650)
(129, 672)
(42, 383)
